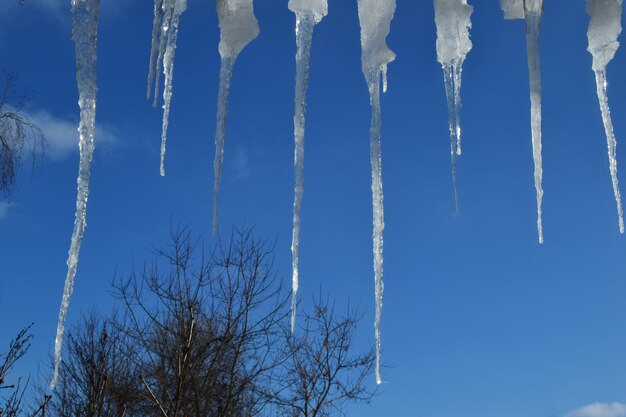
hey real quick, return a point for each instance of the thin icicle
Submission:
(238, 27)
(454, 129)
(155, 45)
(531, 11)
(375, 18)
(164, 28)
(604, 28)
(226, 72)
(452, 18)
(168, 71)
(85, 36)
(308, 13)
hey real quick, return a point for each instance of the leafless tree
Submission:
(12, 403)
(208, 336)
(18, 347)
(208, 327)
(16, 131)
(321, 372)
(96, 377)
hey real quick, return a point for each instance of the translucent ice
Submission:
(604, 28)
(238, 27)
(164, 35)
(452, 18)
(85, 36)
(532, 11)
(375, 18)
(308, 13)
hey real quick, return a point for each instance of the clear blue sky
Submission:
(479, 319)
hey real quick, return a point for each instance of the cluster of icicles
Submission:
(238, 26)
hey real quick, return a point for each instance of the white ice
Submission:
(513, 9)
(604, 28)
(308, 13)
(452, 18)
(238, 27)
(532, 12)
(375, 18)
(84, 34)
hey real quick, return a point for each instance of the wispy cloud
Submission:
(4, 209)
(241, 163)
(62, 134)
(600, 410)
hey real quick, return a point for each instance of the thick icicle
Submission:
(604, 28)
(531, 11)
(452, 18)
(165, 27)
(375, 18)
(308, 13)
(238, 27)
(85, 35)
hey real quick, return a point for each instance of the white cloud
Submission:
(62, 134)
(600, 410)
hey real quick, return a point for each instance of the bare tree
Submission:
(16, 130)
(321, 373)
(208, 336)
(96, 378)
(12, 403)
(208, 328)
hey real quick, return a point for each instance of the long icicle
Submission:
(85, 36)
(304, 36)
(604, 28)
(453, 126)
(610, 141)
(375, 19)
(179, 7)
(226, 72)
(533, 10)
(308, 14)
(378, 206)
(238, 26)
(452, 18)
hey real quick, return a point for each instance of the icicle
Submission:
(238, 27)
(531, 11)
(375, 18)
(604, 28)
(165, 27)
(452, 18)
(168, 70)
(308, 13)
(155, 49)
(85, 35)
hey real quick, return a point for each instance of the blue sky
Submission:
(479, 319)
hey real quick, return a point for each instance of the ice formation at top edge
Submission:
(375, 17)
(452, 18)
(238, 26)
(318, 8)
(604, 28)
